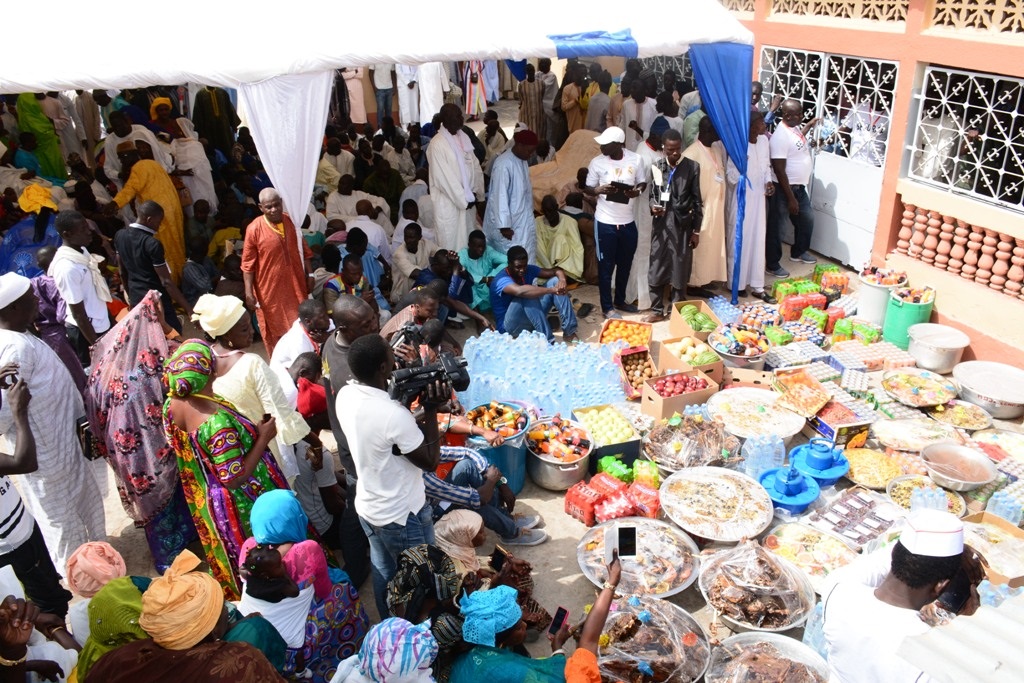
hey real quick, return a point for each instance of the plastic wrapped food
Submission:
(1001, 443)
(665, 564)
(1003, 552)
(647, 640)
(871, 469)
(716, 503)
(765, 658)
(962, 415)
(693, 442)
(816, 552)
(901, 488)
(857, 516)
(748, 412)
(918, 388)
(913, 434)
(756, 589)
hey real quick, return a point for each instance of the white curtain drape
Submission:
(287, 115)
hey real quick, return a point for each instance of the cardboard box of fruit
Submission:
(611, 432)
(686, 353)
(668, 394)
(692, 319)
(637, 365)
(632, 332)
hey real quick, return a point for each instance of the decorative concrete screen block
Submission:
(871, 10)
(992, 16)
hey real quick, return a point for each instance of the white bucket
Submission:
(872, 301)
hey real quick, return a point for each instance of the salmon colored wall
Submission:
(912, 46)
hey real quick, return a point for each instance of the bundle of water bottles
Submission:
(1006, 506)
(553, 377)
(723, 309)
(923, 498)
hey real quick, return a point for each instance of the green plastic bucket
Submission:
(900, 316)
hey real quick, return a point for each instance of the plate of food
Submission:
(871, 469)
(900, 489)
(816, 552)
(747, 412)
(962, 415)
(643, 630)
(690, 441)
(918, 388)
(666, 562)
(716, 503)
(755, 590)
(1000, 443)
(913, 434)
(766, 657)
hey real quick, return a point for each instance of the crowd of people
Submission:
(130, 216)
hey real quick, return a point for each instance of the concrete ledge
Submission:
(993, 320)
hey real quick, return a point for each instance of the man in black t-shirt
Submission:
(143, 266)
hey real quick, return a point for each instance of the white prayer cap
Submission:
(12, 287)
(933, 533)
(217, 314)
(521, 126)
(611, 134)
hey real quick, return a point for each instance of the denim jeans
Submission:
(803, 225)
(384, 99)
(616, 244)
(532, 314)
(387, 543)
(466, 473)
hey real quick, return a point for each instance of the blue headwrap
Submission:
(277, 517)
(487, 613)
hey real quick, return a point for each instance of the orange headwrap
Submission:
(181, 607)
(156, 103)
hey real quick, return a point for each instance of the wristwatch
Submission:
(503, 480)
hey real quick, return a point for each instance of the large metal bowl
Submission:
(551, 473)
(940, 457)
(996, 387)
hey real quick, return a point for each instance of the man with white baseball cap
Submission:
(872, 608)
(616, 177)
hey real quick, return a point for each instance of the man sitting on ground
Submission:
(352, 281)
(482, 262)
(410, 214)
(558, 240)
(520, 305)
(444, 265)
(411, 257)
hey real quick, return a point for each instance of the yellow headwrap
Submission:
(34, 198)
(217, 314)
(156, 103)
(181, 607)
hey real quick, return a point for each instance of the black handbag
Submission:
(91, 448)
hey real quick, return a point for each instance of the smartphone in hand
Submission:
(627, 541)
(561, 616)
(498, 558)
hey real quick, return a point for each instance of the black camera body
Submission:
(413, 378)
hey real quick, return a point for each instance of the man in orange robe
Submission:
(276, 275)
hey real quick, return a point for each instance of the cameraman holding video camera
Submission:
(391, 450)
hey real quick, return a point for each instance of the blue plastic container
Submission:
(510, 457)
(820, 460)
(789, 489)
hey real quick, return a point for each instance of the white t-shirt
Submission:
(74, 282)
(16, 523)
(864, 633)
(789, 144)
(390, 486)
(307, 487)
(602, 170)
(382, 76)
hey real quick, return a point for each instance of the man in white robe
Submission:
(412, 255)
(408, 93)
(709, 259)
(62, 494)
(123, 130)
(432, 82)
(759, 177)
(456, 179)
(508, 219)
(649, 151)
(411, 214)
(342, 160)
(307, 333)
(342, 204)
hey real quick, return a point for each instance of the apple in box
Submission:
(674, 385)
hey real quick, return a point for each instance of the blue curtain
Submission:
(723, 72)
(517, 68)
(595, 44)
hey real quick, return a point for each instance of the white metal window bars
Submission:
(969, 135)
(679, 64)
(851, 96)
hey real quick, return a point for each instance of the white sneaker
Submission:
(527, 537)
(527, 521)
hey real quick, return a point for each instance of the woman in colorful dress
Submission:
(336, 623)
(124, 398)
(223, 459)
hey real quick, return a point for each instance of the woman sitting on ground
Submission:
(459, 533)
(492, 621)
(395, 651)
(184, 614)
(314, 607)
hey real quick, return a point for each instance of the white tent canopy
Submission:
(282, 57)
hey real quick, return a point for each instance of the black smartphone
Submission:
(498, 558)
(957, 593)
(561, 615)
(627, 541)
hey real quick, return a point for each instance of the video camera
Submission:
(412, 379)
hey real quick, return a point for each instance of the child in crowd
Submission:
(199, 276)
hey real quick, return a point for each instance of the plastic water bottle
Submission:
(1006, 506)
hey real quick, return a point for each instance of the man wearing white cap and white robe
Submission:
(874, 603)
(61, 494)
(456, 181)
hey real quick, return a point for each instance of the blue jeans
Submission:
(803, 225)
(616, 245)
(384, 101)
(532, 314)
(465, 473)
(387, 543)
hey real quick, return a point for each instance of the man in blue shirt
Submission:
(444, 265)
(519, 305)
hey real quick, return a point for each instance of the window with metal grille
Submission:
(680, 65)
(969, 135)
(851, 97)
